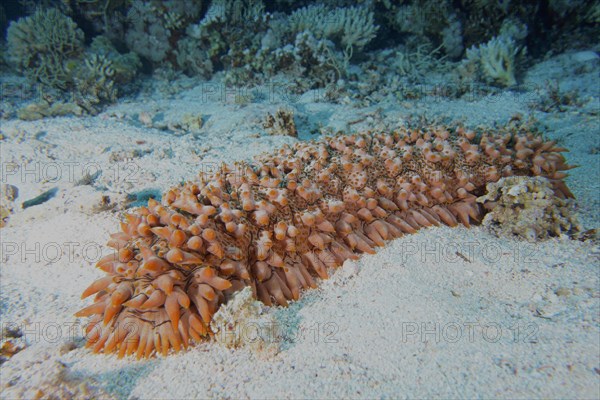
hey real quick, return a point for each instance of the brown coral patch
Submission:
(280, 222)
(282, 123)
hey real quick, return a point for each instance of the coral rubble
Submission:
(8, 194)
(282, 123)
(242, 322)
(527, 207)
(277, 224)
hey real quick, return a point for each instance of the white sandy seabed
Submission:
(504, 318)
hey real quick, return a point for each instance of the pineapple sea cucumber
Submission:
(280, 222)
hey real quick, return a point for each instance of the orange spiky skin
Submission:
(278, 223)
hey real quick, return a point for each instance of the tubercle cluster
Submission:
(281, 222)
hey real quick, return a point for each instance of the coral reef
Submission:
(353, 26)
(193, 59)
(94, 82)
(155, 25)
(124, 66)
(44, 45)
(148, 35)
(528, 208)
(322, 40)
(315, 44)
(48, 48)
(428, 23)
(227, 37)
(103, 16)
(276, 224)
(310, 61)
(101, 73)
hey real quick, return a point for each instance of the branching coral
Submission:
(352, 26)
(48, 47)
(124, 66)
(94, 78)
(230, 12)
(315, 60)
(228, 36)
(42, 45)
(496, 59)
(237, 11)
(278, 223)
(314, 44)
(94, 82)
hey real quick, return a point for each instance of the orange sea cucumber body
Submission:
(278, 223)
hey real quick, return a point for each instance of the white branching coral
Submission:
(229, 11)
(354, 27)
(496, 59)
(358, 28)
(312, 18)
